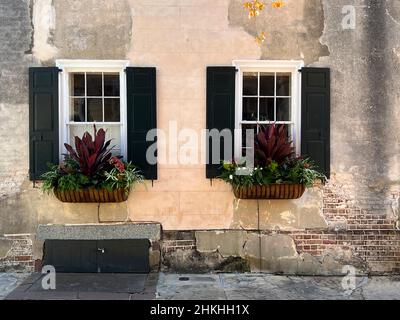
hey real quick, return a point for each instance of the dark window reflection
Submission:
(78, 84)
(250, 84)
(94, 110)
(266, 109)
(283, 109)
(111, 110)
(267, 84)
(111, 85)
(282, 85)
(250, 109)
(78, 109)
(94, 84)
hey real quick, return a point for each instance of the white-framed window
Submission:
(93, 92)
(268, 91)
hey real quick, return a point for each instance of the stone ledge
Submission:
(109, 231)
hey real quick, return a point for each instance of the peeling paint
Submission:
(43, 21)
(292, 32)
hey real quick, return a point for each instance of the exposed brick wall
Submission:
(173, 240)
(20, 257)
(172, 245)
(370, 236)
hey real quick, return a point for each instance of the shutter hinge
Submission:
(236, 69)
(60, 70)
(300, 70)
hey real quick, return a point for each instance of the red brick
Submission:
(23, 258)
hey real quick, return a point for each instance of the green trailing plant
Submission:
(91, 165)
(123, 176)
(275, 163)
(295, 171)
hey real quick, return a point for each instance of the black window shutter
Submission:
(220, 110)
(142, 117)
(315, 117)
(43, 119)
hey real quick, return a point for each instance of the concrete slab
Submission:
(88, 286)
(382, 288)
(199, 287)
(96, 282)
(104, 231)
(189, 287)
(9, 281)
(272, 287)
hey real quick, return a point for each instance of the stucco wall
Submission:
(181, 38)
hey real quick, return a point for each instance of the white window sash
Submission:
(287, 66)
(68, 66)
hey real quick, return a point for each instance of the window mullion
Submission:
(274, 96)
(102, 95)
(85, 98)
(258, 98)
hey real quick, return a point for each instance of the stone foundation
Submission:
(275, 237)
(367, 240)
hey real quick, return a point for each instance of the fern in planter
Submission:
(275, 164)
(91, 166)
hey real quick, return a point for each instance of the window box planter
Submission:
(270, 191)
(91, 195)
(90, 173)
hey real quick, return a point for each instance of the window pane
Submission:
(250, 109)
(288, 131)
(111, 110)
(112, 132)
(77, 84)
(250, 84)
(244, 128)
(77, 109)
(267, 84)
(111, 85)
(247, 127)
(267, 109)
(283, 109)
(94, 84)
(283, 84)
(94, 110)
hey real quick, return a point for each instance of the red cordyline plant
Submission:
(92, 156)
(271, 144)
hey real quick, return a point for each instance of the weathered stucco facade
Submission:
(181, 38)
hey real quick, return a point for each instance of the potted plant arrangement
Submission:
(277, 172)
(90, 173)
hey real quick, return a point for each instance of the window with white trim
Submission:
(93, 93)
(267, 92)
